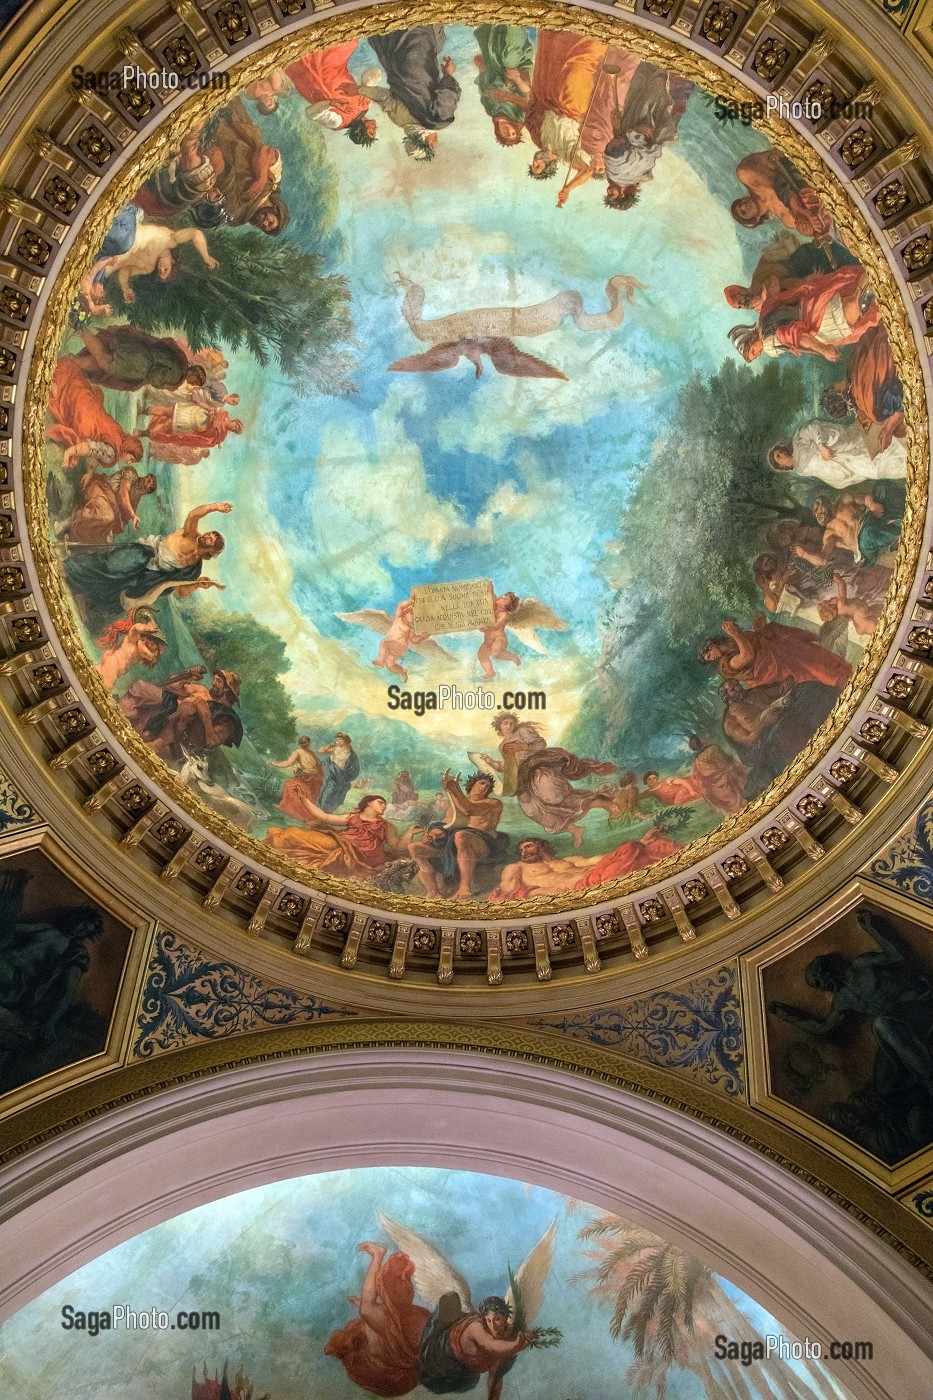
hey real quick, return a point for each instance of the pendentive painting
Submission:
(850, 1031)
(403, 1281)
(475, 461)
(61, 961)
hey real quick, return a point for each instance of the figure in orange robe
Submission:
(609, 98)
(350, 845)
(565, 72)
(720, 777)
(80, 418)
(325, 77)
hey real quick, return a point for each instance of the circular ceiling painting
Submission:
(475, 461)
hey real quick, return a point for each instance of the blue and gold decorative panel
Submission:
(696, 1028)
(899, 10)
(907, 864)
(15, 811)
(922, 1203)
(188, 997)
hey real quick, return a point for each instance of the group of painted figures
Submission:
(590, 107)
(601, 113)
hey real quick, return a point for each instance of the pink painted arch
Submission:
(809, 1262)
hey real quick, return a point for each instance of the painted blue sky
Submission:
(342, 504)
(278, 1261)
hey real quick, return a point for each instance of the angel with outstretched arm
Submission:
(396, 1345)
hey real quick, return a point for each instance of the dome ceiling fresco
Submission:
(465, 589)
(475, 464)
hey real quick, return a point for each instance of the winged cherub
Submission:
(395, 1345)
(399, 636)
(491, 330)
(522, 616)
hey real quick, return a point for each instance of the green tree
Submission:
(237, 642)
(689, 531)
(695, 519)
(267, 294)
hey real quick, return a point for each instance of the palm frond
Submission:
(636, 1329)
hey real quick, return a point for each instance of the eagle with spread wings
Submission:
(396, 1345)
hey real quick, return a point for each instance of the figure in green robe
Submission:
(504, 61)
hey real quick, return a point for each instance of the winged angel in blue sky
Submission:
(395, 1345)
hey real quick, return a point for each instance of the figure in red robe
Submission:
(631, 855)
(716, 778)
(815, 316)
(383, 1361)
(395, 1345)
(324, 80)
(188, 425)
(677, 791)
(539, 870)
(770, 652)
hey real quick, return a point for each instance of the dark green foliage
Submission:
(266, 294)
(309, 176)
(546, 1337)
(698, 514)
(694, 521)
(237, 642)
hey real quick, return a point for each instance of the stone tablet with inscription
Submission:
(454, 607)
